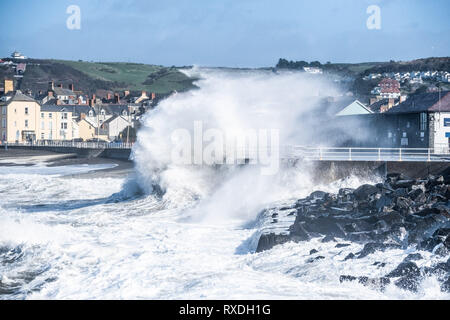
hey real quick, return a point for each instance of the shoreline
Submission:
(30, 157)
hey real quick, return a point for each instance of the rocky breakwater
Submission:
(400, 213)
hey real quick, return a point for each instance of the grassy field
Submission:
(136, 76)
(92, 76)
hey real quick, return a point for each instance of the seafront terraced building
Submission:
(23, 119)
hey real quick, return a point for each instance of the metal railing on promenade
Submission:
(368, 154)
(71, 144)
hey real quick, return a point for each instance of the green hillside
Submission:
(134, 76)
(92, 76)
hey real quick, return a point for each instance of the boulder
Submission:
(372, 247)
(400, 192)
(445, 287)
(347, 278)
(349, 256)
(394, 176)
(269, 240)
(408, 283)
(413, 257)
(408, 269)
(318, 195)
(384, 202)
(342, 245)
(403, 184)
(415, 193)
(375, 283)
(404, 203)
(365, 191)
(311, 260)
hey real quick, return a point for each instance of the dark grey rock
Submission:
(372, 247)
(349, 256)
(415, 193)
(445, 287)
(311, 260)
(342, 245)
(268, 241)
(318, 195)
(328, 238)
(403, 184)
(365, 191)
(408, 283)
(384, 202)
(413, 257)
(347, 278)
(408, 268)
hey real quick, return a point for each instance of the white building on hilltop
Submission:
(18, 55)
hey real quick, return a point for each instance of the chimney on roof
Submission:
(80, 101)
(82, 116)
(391, 102)
(50, 94)
(144, 93)
(153, 96)
(8, 86)
(108, 96)
(71, 87)
(126, 93)
(91, 102)
(60, 85)
(116, 98)
(403, 98)
(58, 102)
(51, 86)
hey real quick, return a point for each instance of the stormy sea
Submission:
(164, 230)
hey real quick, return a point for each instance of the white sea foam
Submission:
(70, 238)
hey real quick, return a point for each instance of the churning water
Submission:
(173, 232)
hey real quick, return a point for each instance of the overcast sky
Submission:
(235, 33)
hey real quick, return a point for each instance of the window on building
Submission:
(3, 135)
(3, 110)
(50, 115)
(423, 121)
(42, 125)
(389, 135)
(408, 124)
(15, 123)
(3, 123)
(42, 115)
(404, 135)
(446, 122)
(50, 125)
(64, 125)
(26, 110)
(26, 123)
(64, 116)
(42, 136)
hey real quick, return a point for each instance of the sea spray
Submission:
(231, 102)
